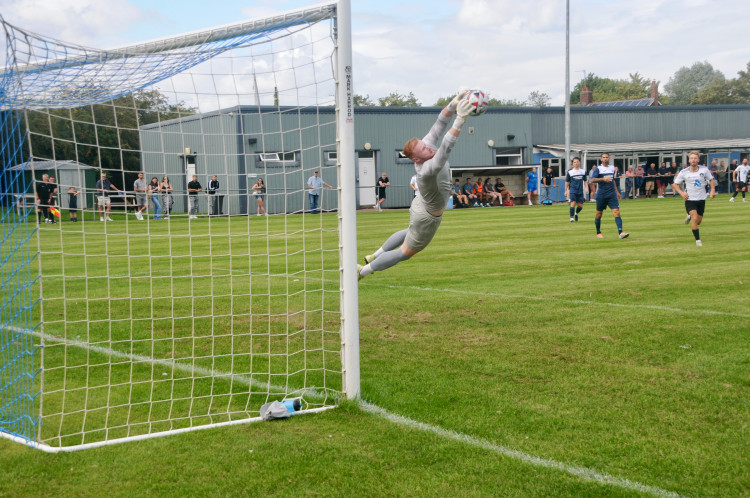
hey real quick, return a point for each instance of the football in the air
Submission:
(478, 100)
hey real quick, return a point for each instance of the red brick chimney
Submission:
(587, 96)
(655, 93)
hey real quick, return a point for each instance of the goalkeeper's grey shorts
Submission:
(422, 225)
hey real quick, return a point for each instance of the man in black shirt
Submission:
(383, 182)
(42, 198)
(548, 182)
(193, 188)
(213, 189)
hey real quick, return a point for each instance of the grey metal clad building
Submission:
(241, 143)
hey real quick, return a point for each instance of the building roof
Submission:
(733, 143)
(625, 103)
(50, 165)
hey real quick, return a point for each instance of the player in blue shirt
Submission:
(607, 194)
(531, 184)
(575, 188)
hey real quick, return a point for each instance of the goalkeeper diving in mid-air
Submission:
(435, 187)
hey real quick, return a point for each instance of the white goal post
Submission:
(169, 262)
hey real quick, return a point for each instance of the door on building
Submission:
(366, 178)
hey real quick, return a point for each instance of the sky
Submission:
(433, 47)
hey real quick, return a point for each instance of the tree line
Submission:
(699, 84)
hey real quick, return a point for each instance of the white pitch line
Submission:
(583, 473)
(566, 300)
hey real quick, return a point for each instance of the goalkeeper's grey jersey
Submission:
(695, 182)
(434, 176)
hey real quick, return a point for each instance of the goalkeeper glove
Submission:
(464, 109)
(454, 103)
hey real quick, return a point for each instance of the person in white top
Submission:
(695, 179)
(739, 177)
(414, 186)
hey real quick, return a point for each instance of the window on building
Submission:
(558, 169)
(278, 159)
(401, 158)
(508, 156)
(330, 157)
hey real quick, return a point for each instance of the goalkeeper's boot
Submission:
(359, 272)
(369, 259)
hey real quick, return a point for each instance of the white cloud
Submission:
(84, 22)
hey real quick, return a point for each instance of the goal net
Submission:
(178, 235)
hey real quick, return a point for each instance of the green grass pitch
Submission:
(597, 367)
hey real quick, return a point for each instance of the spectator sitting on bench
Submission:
(468, 190)
(489, 189)
(504, 192)
(481, 194)
(459, 199)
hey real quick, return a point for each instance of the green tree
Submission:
(688, 81)
(608, 89)
(363, 101)
(101, 135)
(395, 99)
(537, 99)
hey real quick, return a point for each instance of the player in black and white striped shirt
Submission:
(695, 179)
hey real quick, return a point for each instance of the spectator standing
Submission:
(383, 182)
(661, 180)
(531, 184)
(740, 180)
(605, 176)
(315, 184)
(154, 191)
(639, 174)
(103, 188)
(414, 186)
(629, 177)
(52, 201)
(73, 203)
(548, 183)
(259, 191)
(651, 174)
(213, 190)
(141, 196)
(468, 190)
(193, 188)
(694, 179)
(576, 188)
(671, 172)
(730, 174)
(166, 195)
(592, 186)
(42, 198)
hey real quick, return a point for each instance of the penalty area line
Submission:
(550, 298)
(583, 473)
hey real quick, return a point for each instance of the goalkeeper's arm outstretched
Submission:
(435, 187)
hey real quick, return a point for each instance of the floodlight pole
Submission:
(567, 86)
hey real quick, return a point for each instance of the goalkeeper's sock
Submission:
(388, 259)
(393, 242)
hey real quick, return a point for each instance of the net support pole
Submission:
(347, 203)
